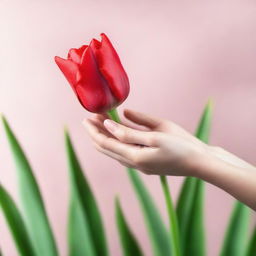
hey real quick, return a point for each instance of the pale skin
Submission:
(158, 146)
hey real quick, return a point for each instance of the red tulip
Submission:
(96, 75)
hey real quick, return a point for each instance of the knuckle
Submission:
(153, 138)
(99, 139)
(102, 141)
(124, 135)
(138, 159)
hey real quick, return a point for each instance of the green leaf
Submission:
(129, 243)
(16, 224)
(157, 231)
(236, 237)
(85, 197)
(195, 237)
(173, 222)
(184, 206)
(32, 203)
(191, 199)
(252, 244)
(79, 238)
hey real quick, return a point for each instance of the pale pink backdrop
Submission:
(177, 54)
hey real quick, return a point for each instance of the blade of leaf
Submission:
(87, 200)
(173, 222)
(190, 202)
(184, 206)
(236, 236)
(16, 224)
(252, 244)
(32, 203)
(195, 237)
(157, 231)
(128, 241)
(79, 238)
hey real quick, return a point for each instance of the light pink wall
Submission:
(177, 55)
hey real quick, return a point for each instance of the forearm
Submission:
(234, 176)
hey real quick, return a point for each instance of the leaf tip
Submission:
(117, 202)
(210, 104)
(66, 133)
(3, 119)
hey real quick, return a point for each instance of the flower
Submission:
(96, 75)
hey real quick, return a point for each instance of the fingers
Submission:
(142, 118)
(129, 135)
(127, 151)
(117, 157)
(101, 128)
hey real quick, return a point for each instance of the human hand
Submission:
(157, 147)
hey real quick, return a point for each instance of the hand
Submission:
(157, 147)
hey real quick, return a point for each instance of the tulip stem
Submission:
(173, 222)
(114, 115)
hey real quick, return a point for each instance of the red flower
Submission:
(96, 75)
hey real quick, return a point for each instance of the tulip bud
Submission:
(96, 75)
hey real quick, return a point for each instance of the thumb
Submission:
(130, 135)
(142, 118)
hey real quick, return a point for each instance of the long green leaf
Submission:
(251, 250)
(195, 237)
(16, 224)
(88, 203)
(236, 237)
(190, 202)
(128, 241)
(79, 238)
(157, 231)
(173, 222)
(32, 203)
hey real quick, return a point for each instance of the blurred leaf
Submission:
(129, 243)
(195, 237)
(204, 127)
(79, 238)
(191, 199)
(251, 251)
(184, 206)
(236, 237)
(34, 211)
(173, 222)
(84, 195)
(157, 231)
(16, 224)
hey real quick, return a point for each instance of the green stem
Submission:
(114, 115)
(173, 222)
(174, 231)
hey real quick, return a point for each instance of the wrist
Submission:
(203, 162)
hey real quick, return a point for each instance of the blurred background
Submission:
(177, 54)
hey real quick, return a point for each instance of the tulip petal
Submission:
(76, 54)
(69, 69)
(92, 89)
(111, 68)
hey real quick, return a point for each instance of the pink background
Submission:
(177, 54)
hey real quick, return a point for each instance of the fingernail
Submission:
(110, 125)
